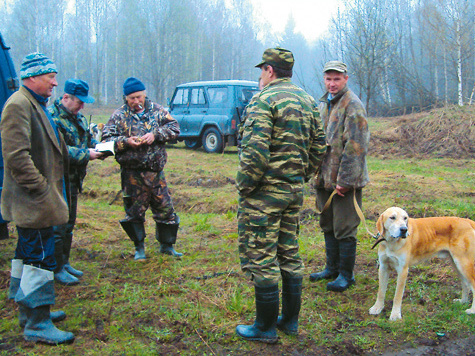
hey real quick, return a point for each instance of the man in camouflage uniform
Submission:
(73, 125)
(140, 129)
(281, 148)
(343, 170)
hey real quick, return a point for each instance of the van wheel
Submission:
(212, 141)
(193, 144)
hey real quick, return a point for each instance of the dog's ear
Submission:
(380, 225)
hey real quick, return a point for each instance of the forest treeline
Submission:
(403, 55)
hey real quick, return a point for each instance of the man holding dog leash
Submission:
(343, 173)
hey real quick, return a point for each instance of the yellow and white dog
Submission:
(405, 242)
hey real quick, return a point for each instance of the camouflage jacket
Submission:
(282, 140)
(347, 138)
(124, 123)
(77, 137)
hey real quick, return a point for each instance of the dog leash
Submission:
(359, 212)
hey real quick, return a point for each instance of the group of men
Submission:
(46, 151)
(285, 140)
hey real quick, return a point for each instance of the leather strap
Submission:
(359, 212)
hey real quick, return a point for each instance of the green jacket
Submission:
(282, 140)
(347, 136)
(78, 139)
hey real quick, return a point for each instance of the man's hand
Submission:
(341, 190)
(93, 154)
(134, 141)
(148, 138)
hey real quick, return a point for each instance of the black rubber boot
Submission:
(347, 264)
(136, 232)
(61, 276)
(166, 236)
(333, 259)
(267, 311)
(288, 322)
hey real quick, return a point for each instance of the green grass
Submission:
(191, 306)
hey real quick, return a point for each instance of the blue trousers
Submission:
(36, 247)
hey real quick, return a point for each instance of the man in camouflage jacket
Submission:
(281, 148)
(343, 170)
(73, 125)
(140, 128)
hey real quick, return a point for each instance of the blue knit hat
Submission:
(35, 64)
(131, 85)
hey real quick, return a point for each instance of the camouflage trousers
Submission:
(142, 189)
(268, 227)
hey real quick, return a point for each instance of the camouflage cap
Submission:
(277, 57)
(337, 66)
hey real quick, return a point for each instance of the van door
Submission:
(198, 109)
(179, 107)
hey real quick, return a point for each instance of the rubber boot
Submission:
(35, 296)
(55, 316)
(17, 271)
(40, 328)
(333, 259)
(166, 236)
(61, 276)
(67, 243)
(73, 271)
(136, 232)
(347, 264)
(288, 322)
(267, 311)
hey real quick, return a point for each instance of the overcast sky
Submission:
(312, 17)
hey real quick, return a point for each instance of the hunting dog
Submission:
(405, 242)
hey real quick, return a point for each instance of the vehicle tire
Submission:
(212, 141)
(193, 143)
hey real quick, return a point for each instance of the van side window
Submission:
(218, 95)
(181, 97)
(198, 96)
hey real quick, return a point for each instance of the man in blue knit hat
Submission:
(140, 128)
(34, 197)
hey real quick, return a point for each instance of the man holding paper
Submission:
(139, 129)
(73, 125)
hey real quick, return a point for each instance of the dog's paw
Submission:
(376, 309)
(395, 315)
(470, 311)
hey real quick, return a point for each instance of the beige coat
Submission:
(34, 160)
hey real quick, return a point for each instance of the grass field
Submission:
(191, 306)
